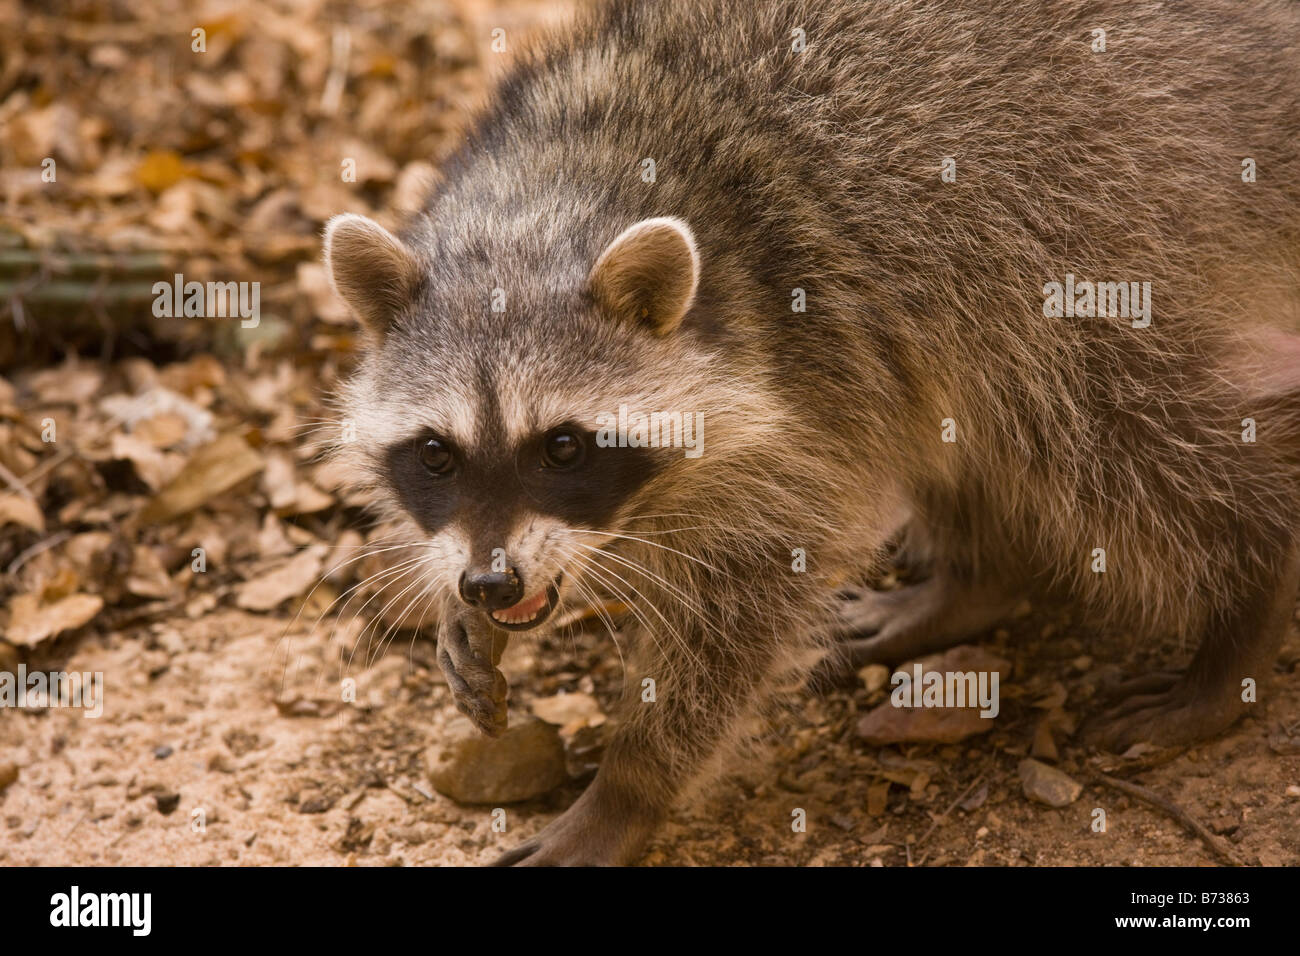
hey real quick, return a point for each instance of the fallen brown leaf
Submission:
(294, 577)
(30, 622)
(17, 509)
(214, 469)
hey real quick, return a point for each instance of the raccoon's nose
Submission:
(493, 590)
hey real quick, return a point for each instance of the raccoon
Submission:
(877, 250)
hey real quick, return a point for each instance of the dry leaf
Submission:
(295, 577)
(278, 481)
(214, 469)
(165, 430)
(162, 169)
(569, 712)
(20, 510)
(315, 284)
(153, 467)
(148, 578)
(308, 499)
(30, 622)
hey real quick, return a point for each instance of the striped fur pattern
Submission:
(819, 169)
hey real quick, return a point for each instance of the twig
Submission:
(952, 806)
(389, 785)
(16, 483)
(1175, 812)
(51, 463)
(70, 449)
(337, 78)
(44, 545)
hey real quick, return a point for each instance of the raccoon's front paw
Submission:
(596, 831)
(468, 651)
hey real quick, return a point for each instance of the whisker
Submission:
(653, 607)
(653, 544)
(412, 567)
(594, 602)
(325, 576)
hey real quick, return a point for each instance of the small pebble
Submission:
(167, 802)
(1047, 784)
(316, 803)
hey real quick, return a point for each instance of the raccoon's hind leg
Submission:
(947, 606)
(1239, 643)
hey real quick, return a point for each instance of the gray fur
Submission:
(820, 170)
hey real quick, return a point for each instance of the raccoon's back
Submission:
(803, 140)
(1063, 116)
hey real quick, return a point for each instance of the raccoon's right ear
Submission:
(370, 268)
(648, 273)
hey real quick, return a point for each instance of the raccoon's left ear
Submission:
(648, 273)
(370, 268)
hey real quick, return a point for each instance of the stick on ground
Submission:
(1171, 809)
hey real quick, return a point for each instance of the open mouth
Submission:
(531, 611)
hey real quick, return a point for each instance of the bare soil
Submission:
(344, 785)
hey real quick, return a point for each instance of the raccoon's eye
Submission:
(435, 456)
(561, 449)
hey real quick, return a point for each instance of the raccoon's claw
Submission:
(599, 829)
(1177, 716)
(889, 627)
(468, 652)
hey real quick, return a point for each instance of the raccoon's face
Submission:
(491, 429)
(508, 511)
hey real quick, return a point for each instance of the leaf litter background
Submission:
(222, 686)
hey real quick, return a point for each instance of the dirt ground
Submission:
(345, 785)
(165, 519)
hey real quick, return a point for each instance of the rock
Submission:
(887, 724)
(163, 752)
(316, 802)
(524, 762)
(1281, 743)
(877, 798)
(241, 741)
(1271, 858)
(167, 802)
(221, 763)
(1044, 746)
(8, 775)
(976, 799)
(1047, 784)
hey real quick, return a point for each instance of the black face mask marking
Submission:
(486, 490)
